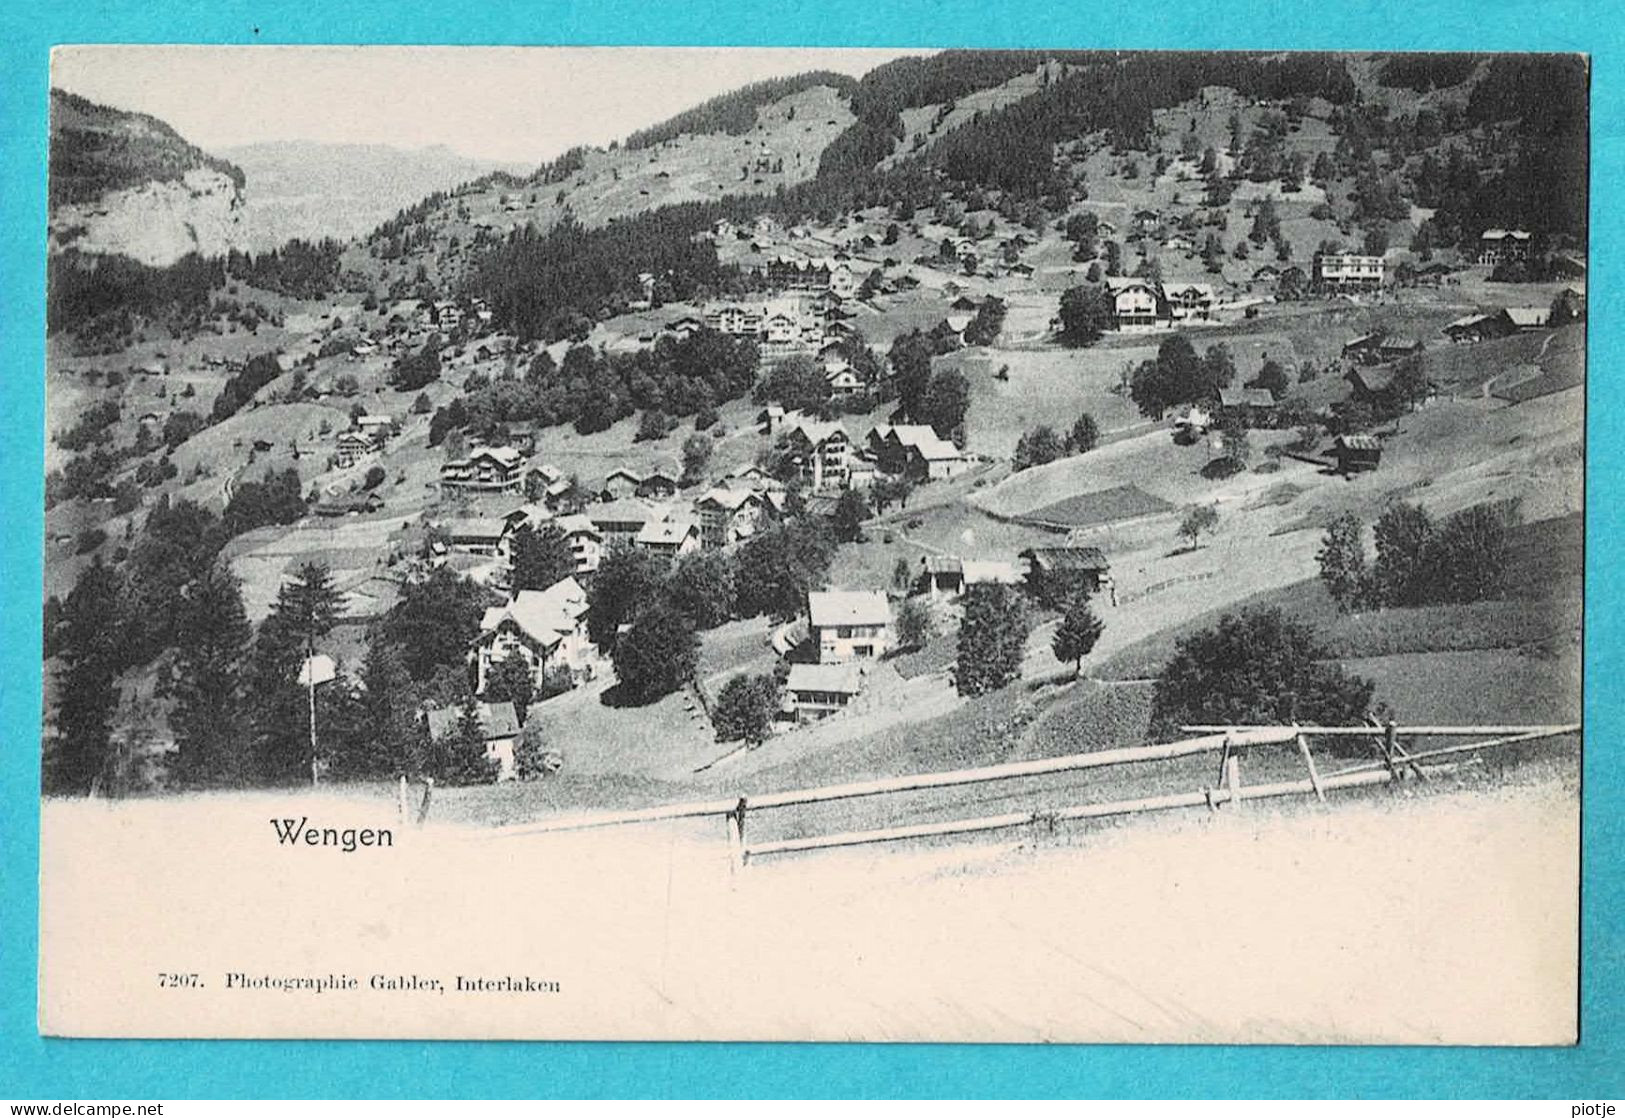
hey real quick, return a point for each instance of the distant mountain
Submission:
(313, 190)
(127, 184)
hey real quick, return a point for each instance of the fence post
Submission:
(1309, 759)
(1232, 780)
(406, 813)
(428, 793)
(736, 835)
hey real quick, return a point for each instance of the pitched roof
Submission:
(1177, 290)
(627, 510)
(1066, 558)
(991, 570)
(506, 456)
(728, 498)
(578, 525)
(815, 431)
(477, 528)
(942, 564)
(542, 615)
(1246, 397)
(845, 679)
(666, 532)
(937, 449)
(847, 607)
(1357, 442)
(1528, 316)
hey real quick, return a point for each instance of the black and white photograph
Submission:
(655, 543)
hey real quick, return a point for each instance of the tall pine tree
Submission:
(89, 634)
(207, 682)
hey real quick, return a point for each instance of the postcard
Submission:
(814, 544)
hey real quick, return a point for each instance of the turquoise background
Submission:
(31, 1067)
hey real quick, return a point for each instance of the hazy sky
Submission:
(513, 104)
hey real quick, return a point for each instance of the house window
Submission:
(844, 632)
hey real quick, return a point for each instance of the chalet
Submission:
(657, 485)
(781, 329)
(770, 419)
(935, 459)
(735, 319)
(1496, 246)
(620, 521)
(1146, 221)
(958, 320)
(728, 515)
(751, 476)
(1188, 302)
(842, 378)
(965, 303)
(1478, 327)
(671, 538)
(1529, 318)
(348, 506)
(1370, 385)
(1253, 406)
(485, 470)
(377, 427)
(620, 483)
(1179, 243)
(816, 691)
(861, 470)
(822, 451)
(585, 541)
(548, 628)
(477, 535)
(528, 515)
(1355, 453)
(848, 624)
(1083, 566)
(352, 447)
(1568, 265)
(1379, 349)
(1136, 304)
(944, 577)
(499, 728)
(1570, 304)
(682, 328)
(1348, 271)
(843, 282)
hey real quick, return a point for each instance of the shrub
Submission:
(745, 708)
(1255, 666)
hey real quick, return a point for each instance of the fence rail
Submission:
(1392, 760)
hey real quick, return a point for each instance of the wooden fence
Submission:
(1392, 760)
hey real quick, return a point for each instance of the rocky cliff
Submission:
(128, 184)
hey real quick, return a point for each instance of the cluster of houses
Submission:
(848, 629)
(1506, 321)
(1139, 304)
(827, 456)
